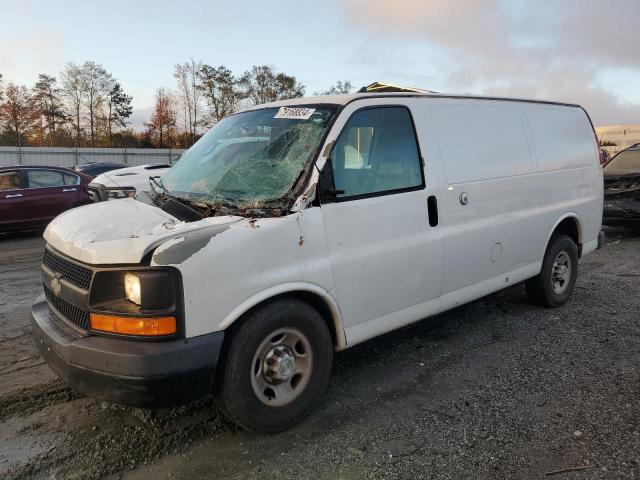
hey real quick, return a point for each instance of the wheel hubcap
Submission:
(561, 273)
(281, 367)
(279, 364)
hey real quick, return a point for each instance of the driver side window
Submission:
(9, 181)
(377, 152)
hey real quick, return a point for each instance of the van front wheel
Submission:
(554, 285)
(275, 367)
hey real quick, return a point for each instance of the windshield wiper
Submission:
(153, 181)
(220, 200)
(165, 192)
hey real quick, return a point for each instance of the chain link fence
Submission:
(70, 157)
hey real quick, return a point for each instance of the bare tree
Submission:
(73, 89)
(97, 83)
(195, 94)
(261, 84)
(17, 114)
(190, 93)
(181, 74)
(49, 106)
(220, 90)
(163, 119)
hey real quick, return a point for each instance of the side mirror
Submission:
(326, 185)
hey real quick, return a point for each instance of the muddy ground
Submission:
(495, 389)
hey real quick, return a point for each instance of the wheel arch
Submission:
(316, 296)
(568, 224)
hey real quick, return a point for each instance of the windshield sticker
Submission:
(295, 113)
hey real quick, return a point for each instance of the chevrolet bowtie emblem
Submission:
(56, 286)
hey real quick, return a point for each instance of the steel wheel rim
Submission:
(561, 273)
(281, 367)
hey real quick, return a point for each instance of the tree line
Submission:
(85, 106)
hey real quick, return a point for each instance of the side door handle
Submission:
(432, 210)
(65, 190)
(13, 195)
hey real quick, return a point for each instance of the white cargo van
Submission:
(299, 228)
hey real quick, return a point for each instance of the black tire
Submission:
(234, 389)
(540, 289)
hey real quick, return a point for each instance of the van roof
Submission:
(349, 97)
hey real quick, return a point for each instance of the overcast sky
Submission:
(584, 51)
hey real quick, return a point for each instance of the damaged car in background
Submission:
(295, 229)
(126, 182)
(622, 188)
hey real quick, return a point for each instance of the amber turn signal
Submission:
(147, 326)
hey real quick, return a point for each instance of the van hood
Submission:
(137, 177)
(119, 231)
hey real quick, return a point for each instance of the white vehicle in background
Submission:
(295, 229)
(126, 182)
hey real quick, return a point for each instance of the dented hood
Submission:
(117, 232)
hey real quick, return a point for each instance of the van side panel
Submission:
(481, 142)
(484, 150)
(566, 152)
(562, 139)
(515, 196)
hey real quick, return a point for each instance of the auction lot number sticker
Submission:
(295, 113)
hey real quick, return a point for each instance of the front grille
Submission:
(73, 273)
(74, 314)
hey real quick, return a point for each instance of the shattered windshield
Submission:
(250, 159)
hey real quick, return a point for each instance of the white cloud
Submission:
(545, 49)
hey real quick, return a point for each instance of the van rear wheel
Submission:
(275, 366)
(554, 285)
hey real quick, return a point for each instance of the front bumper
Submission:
(136, 373)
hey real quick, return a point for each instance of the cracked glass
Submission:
(250, 159)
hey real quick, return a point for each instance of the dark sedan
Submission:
(94, 169)
(30, 197)
(622, 188)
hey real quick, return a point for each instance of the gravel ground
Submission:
(495, 389)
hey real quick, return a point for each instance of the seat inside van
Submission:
(374, 155)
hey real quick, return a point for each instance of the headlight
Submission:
(143, 301)
(132, 288)
(121, 192)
